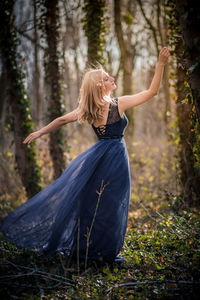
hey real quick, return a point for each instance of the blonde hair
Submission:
(91, 95)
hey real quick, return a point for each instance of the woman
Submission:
(84, 212)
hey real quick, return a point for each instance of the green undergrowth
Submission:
(163, 262)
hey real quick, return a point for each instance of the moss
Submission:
(16, 90)
(94, 27)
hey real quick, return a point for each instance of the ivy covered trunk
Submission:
(53, 82)
(184, 111)
(189, 20)
(22, 123)
(94, 30)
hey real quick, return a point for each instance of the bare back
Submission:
(107, 108)
(105, 115)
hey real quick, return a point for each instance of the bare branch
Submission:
(153, 29)
(28, 37)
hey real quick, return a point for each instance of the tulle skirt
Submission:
(83, 212)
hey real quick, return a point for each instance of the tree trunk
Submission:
(166, 89)
(151, 26)
(189, 20)
(159, 37)
(3, 103)
(53, 81)
(127, 59)
(36, 74)
(20, 106)
(188, 173)
(93, 26)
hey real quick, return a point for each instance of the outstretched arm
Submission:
(54, 125)
(126, 102)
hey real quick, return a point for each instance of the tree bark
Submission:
(19, 103)
(36, 75)
(189, 178)
(189, 20)
(3, 105)
(127, 58)
(53, 82)
(93, 26)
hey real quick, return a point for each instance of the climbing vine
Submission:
(21, 122)
(94, 27)
(49, 22)
(189, 128)
(189, 20)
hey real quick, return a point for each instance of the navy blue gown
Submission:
(85, 210)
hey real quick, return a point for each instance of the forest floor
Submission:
(161, 248)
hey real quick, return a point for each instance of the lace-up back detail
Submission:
(114, 126)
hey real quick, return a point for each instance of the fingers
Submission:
(29, 139)
(165, 51)
(164, 55)
(26, 141)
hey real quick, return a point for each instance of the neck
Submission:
(107, 97)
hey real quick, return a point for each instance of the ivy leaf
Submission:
(159, 267)
(193, 67)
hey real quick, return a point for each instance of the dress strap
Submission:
(113, 114)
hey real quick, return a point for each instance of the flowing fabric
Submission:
(85, 210)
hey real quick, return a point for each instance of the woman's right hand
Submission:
(164, 55)
(31, 137)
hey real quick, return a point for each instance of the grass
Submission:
(163, 262)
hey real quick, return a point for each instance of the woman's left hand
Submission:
(164, 55)
(32, 136)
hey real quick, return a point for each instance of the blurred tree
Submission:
(71, 43)
(36, 72)
(53, 81)
(3, 107)
(127, 50)
(93, 25)
(159, 32)
(14, 84)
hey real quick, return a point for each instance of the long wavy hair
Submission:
(92, 92)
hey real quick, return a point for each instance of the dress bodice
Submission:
(115, 125)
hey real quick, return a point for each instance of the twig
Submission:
(41, 272)
(129, 284)
(62, 264)
(41, 290)
(28, 37)
(37, 273)
(17, 275)
(180, 228)
(90, 230)
(78, 237)
(148, 214)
